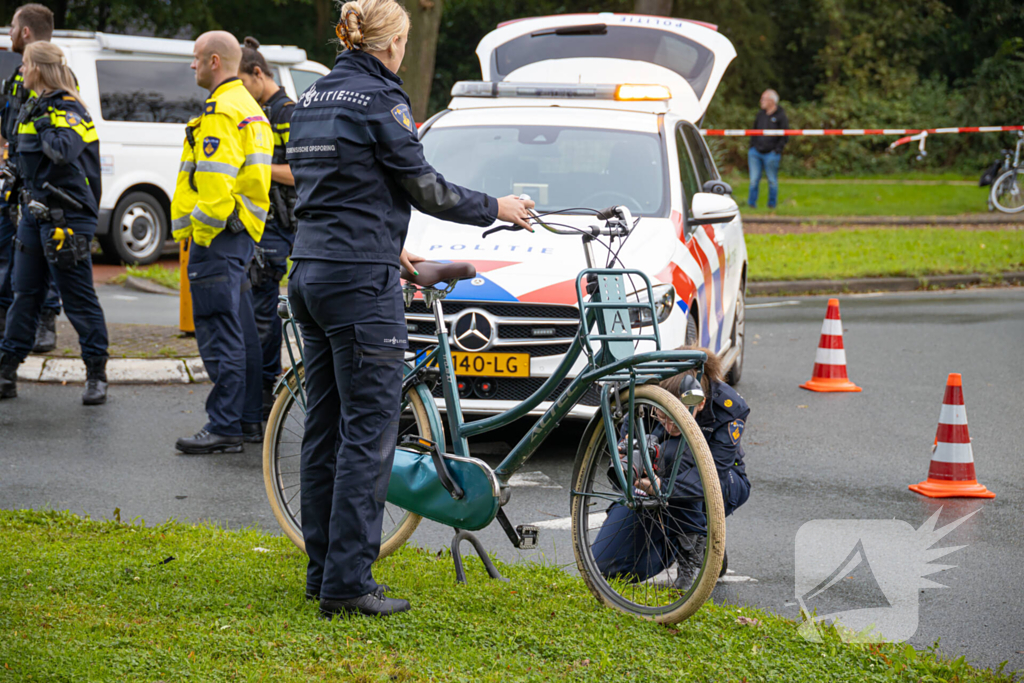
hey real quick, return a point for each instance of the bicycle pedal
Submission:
(527, 536)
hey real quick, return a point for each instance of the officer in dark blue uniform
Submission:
(722, 418)
(271, 264)
(359, 169)
(58, 158)
(31, 23)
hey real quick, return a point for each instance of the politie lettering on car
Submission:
(582, 111)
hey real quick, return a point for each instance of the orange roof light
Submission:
(628, 92)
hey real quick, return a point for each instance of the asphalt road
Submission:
(809, 457)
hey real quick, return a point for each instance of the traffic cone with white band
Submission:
(951, 473)
(830, 361)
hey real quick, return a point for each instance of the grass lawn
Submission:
(884, 252)
(168, 277)
(865, 199)
(101, 601)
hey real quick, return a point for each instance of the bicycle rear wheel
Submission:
(1008, 193)
(282, 445)
(626, 556)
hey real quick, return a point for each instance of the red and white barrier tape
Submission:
(742, 132)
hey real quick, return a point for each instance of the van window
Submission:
(690, 60)
(149, 91)
(304, 79)
(9, 63)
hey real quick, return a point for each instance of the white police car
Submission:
(587, 110)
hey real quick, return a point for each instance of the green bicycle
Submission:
(616, 511)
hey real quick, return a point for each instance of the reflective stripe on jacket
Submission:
(224, 167)
(65, 153)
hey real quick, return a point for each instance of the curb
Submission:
(969, 219)
(879, 284)
(140, 284)
(119, 370)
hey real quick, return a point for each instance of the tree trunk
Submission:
(60, 11)
(654, 7)
(417, 69)
(324, 21)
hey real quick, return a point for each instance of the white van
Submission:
(140, 92)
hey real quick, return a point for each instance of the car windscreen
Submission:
(690, 60)
(560, 168)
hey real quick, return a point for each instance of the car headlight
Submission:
(664, 300)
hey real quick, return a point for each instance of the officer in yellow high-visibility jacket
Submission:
(221, 202)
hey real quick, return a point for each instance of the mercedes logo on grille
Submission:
(473, 331)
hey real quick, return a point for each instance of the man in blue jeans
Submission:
(766, 151)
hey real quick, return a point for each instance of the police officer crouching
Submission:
(722, 418)
(271, 263)
(220, 201)
(58, 157)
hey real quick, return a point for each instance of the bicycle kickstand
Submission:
(460, 572)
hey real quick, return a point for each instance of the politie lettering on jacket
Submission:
(311, 97)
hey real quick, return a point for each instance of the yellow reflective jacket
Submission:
(225, 167)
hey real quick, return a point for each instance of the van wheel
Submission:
(137, 230)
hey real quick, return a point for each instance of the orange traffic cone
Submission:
(951, 473)
(830, 361)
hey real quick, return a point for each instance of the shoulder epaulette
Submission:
(211, 107)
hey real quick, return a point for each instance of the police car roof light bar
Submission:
(623, 92)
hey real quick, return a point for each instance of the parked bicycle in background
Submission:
(1006, 194)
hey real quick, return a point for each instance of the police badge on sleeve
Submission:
(404, 117)
(210, 145)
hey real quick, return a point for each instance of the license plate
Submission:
(491, 364)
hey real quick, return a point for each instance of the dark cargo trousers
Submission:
(353, 330)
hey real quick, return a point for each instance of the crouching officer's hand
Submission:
(515, 210)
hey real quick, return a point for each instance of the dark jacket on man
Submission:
(766, 121)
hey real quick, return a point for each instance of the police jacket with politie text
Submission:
(56, 143)
(278, 110)
(722, 421)
(225, 167)
(359, 168)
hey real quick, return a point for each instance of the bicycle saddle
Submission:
(433, 272)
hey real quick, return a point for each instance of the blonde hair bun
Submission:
(371, 25)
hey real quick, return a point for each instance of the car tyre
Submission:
(138, 229)
(738, 337)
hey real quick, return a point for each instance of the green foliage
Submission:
(101, 601)
(907, 252)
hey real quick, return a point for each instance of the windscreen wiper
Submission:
(584, 30)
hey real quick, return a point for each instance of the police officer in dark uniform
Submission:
(58, 156)
(359, 169)
(271, 263)
(31, 23)
(722, 418)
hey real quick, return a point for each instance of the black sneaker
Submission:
(374, 604)
(252, 432)
(204, 442)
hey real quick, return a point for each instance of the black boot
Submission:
(204, 442)
(252, 432)
(95, 381)
(374, 604)
(46, 332)
(8, 377)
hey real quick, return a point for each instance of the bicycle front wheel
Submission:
(282, 447)
(643, 560)
(1007, 193)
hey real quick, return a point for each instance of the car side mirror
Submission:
(717, 187)
(708, 208)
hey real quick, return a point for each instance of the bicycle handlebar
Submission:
(618, 223)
